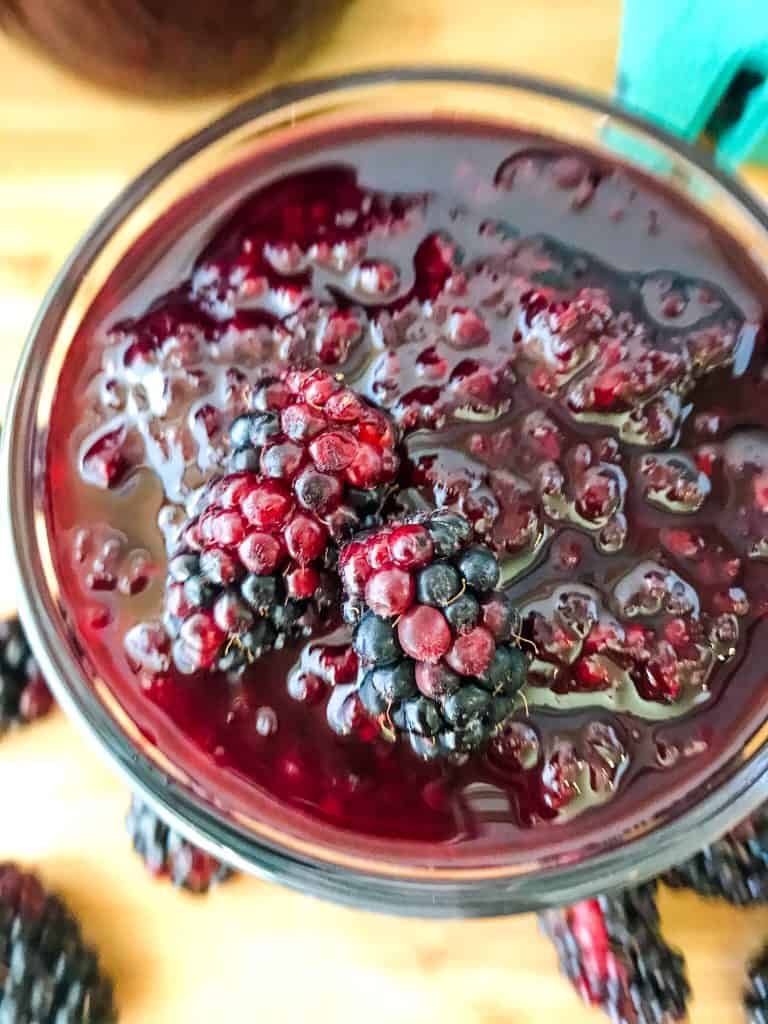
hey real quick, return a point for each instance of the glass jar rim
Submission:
(627, 858)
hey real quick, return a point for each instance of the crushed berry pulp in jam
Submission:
(574, 360)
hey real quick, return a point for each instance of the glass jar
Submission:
(678, 822)
(160, 47)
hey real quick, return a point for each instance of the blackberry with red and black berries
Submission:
(48, 975)
(227, 604)
(24, 694)
(756, 993)
(166, 854)
(734, 868)
(438, 644)
(613, 952)
(255, 567)
(338, 452)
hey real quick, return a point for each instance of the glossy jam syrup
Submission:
(576, 361)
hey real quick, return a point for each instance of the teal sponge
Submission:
(697, 66)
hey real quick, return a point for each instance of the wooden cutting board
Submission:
(252, 951)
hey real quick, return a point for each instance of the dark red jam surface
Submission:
(577, 363)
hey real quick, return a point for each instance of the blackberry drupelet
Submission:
(24, 695)
(756, 995)
(254, 568)
(438, 645)
(734, 868)
(612, 951)
(47, 973)
(167, 854)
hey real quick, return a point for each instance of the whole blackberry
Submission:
(252, 571)
(437, 643)
(756, 995)
(24, 694)
(47, 973)
(167, 854)
(612, 951)
(734, 868)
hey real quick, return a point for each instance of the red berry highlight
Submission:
(390, 592)
(424, 633)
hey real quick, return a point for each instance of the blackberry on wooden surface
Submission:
(166, 854)
(24, 694)
(613, 952)
(48, 975)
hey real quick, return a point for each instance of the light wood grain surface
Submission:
(253, 952)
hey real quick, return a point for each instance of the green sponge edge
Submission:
(677, 60)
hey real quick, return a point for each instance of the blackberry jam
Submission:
(574, 361)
